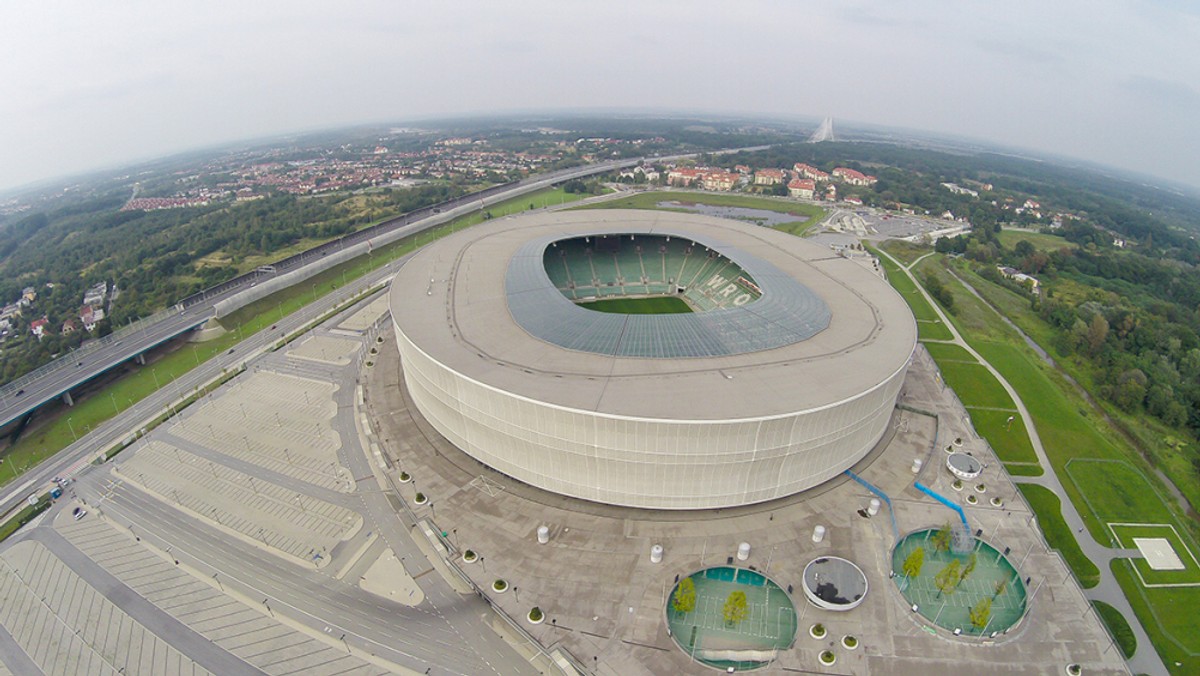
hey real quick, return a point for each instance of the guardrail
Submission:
(66, 361)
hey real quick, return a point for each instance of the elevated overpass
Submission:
(57, 378)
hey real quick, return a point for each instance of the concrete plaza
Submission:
(605, 601)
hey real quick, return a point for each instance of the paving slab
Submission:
(269, 515)
(366, 317)
(387, 578)
(68, 627)
(277, 421)
(203, 605)
(325, 349)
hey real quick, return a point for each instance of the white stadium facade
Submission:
(785, 373)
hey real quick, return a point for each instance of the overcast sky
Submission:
(86, 85)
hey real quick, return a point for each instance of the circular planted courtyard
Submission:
(976, 592)
(731, 617)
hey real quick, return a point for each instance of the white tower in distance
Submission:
(824, 132)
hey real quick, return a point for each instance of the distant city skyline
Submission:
(93, 87)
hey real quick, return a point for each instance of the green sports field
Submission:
(658, 305)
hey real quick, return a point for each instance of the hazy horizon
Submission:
(93, 88)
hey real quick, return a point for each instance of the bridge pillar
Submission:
(66, 397)
(141, 358)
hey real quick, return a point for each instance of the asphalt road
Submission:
(71, 370)
(81, 366)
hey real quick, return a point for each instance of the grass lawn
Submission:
(905, 252)
(660, 305)
(62, 427)
(1117, 492)
(1024, 470)
(976, 386)
(929, 325)
(1049, 514)
(1118, 626)
(1190, 574)
(1009, 239)
(1152, 436)
(1074, 433)
(1009, 440)
(1168, 614)
(949, 352)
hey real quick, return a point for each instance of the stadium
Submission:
(651, 359)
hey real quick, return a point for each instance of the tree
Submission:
(913, 562)
(941, 538)
(980, 613)
(948, 578)
(684, 599)
(1001, 586)
(735, 607)
(1097, 333)
(969, 568)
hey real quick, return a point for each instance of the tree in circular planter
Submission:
(379, 339)
(500, 586)
(370, 363)
(827, 657)
(817, 630)
(849, 642)
(1074, 669)
(420, 499)
(971, 499)
(957, 485)
(980, 488)
(536, 616)
(997, 502)
(405, 477)
(374, 351)
(958, 441)
(470, 556)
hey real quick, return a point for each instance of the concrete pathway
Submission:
(1145, 660)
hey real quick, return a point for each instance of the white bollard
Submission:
(916, 466)
(543, 535)
(743, 551)
(873, 508)
(818, 534)
(656, 553)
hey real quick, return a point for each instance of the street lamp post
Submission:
(72, 426)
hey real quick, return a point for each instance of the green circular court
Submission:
(711, 624)
(976, 592)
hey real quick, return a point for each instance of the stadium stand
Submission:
(584, 268)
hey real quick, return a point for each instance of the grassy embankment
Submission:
(807, 215)
(62, 427)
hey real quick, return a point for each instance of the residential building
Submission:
(720, 180)
(1020, 277)
(808, 171)
(802, 188)
(769, 177)
(38, 327)
(853, 177)
(68, 327)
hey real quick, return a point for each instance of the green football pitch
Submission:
(658, 305)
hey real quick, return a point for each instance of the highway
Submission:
(31, 391)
